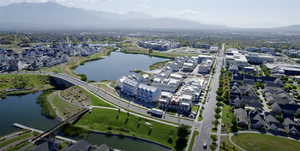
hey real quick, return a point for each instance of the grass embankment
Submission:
(117, 122)
(106, 87)
(47, 109)
(195, 134)
(6, 142)
(17, 84)
(260, 142)
(96, 101)
(158, 65)
(62, 108)
(65, 103)
(74, 62)
(132, 48)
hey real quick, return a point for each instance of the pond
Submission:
(116, 65)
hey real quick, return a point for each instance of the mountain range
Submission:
(53, 16)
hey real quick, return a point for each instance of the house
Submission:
(204, 68)
(203, 58)
(188, 67)
(257, 120)
(277, 95)
(241, 117)
(273, 125)
(128, 86)
(148, 93)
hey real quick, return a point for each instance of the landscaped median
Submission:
(262, 142)
(124, 123)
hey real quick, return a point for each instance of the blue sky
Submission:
(236, 13)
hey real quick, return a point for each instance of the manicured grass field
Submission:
(116, 122)
(227, 118)
(260, 142)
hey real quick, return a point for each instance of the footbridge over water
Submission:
(71, 119)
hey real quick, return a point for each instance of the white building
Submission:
(233, 56)
(148, 93)
(128, 86)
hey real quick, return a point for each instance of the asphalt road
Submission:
(209, 108)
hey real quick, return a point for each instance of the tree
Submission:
(180, 144)
(170, 140)
(20, 82)
(183, 131)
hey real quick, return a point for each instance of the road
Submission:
(114, 100)
(209, 108)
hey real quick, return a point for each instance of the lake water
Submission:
(23, 110)
(116, 65)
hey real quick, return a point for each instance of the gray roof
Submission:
(241, 115)
(147, 87)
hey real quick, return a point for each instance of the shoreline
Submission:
(107, 134)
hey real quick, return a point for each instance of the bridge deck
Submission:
(40, 131)
(61, 124)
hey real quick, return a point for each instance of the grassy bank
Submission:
(158, 65)
(47, 109)
(260, 142)
(96, 101)
(77, 61)
(62, 108)
(113, 121)
(132, 48)
(17, 84)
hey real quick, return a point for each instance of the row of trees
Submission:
(224, 87)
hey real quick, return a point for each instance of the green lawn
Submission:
(96, 101)
(260, 142)
(116, 122)
(62, 107)
(24, 81)
(195, 108)
(227, 118)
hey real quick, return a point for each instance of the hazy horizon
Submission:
(232, 13)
